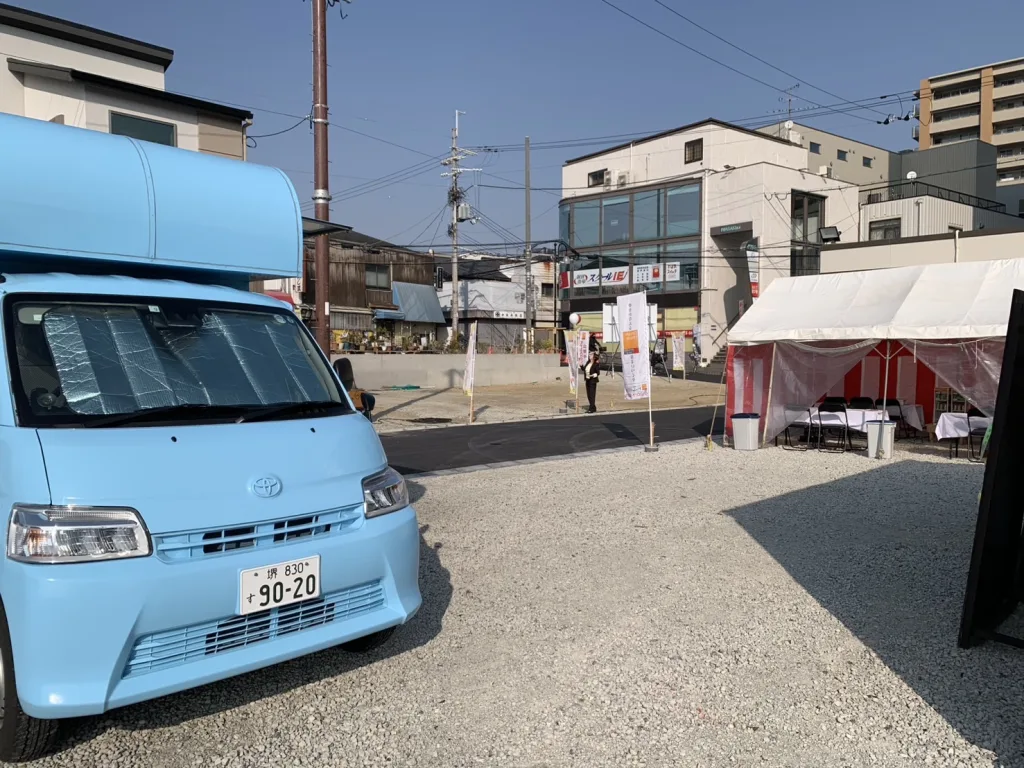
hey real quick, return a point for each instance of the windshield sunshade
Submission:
(102, 359)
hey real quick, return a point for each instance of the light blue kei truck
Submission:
(188, 492)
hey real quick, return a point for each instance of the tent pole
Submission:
(768, 404)
(879, 453)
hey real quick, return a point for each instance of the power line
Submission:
(690, 48)
(748, 53)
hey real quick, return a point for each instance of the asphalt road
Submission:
(431, 450)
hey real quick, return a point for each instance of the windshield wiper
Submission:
(285, 410)
(187, 411)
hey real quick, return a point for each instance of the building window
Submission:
(684, 254)
(586, 223)
(808, 214)
(955, 114)
(682, 211)
(866, 161)
(564, 212)
(693, 151)
(884, 229)
(958, 90)
(815, 148)
(1010, 176)
(647, 216)
(804, 260)
(547, 290)
(142, 129)
(614, 272)
(596, 178)
(378, 276)
(1020, 209)
(841, 155)
(615, 215)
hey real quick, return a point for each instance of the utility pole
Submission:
(321, 182)
(455, 197)
(529, 257)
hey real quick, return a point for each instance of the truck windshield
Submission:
(99, 361)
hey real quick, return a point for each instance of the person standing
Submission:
(591, 373)
(362, 400)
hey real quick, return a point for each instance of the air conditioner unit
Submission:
(622, 178)
(825, 170)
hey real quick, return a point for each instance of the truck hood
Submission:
(189, 477)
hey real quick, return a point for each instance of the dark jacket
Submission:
(595, 370)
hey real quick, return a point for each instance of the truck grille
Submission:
(152, 653)
(186, 545)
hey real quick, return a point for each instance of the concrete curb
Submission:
(545, 459)
(421, 427)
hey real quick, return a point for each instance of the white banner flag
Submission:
(678, 351)
(570, 357)
(634, 335)
(467, 379)
(582, 348)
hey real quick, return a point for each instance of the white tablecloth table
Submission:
(913, 414)
(954, 425)
(856, 418)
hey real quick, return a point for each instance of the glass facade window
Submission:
(586, 221)
(615, 216)
(647, 215)
(648, 255)
(687, 256)
(586, 285)
(143, 129)
(564, 211)
(682, 211)
(614, 272)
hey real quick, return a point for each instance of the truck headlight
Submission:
(39, 534)
(383, 493)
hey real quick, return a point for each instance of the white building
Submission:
(56, 70)
(702, 217)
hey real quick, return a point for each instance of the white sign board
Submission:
(610, 321)
(678, 351)
(634, 329)
(470, 375)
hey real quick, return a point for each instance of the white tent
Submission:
(804, 334)
(936, 301)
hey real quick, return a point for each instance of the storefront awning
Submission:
(418, 302)
(388, 314)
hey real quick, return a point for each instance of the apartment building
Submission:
(985, 103)
(56, 70)
(702, 217)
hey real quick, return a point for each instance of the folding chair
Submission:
(842, 429)
(901, 422)
(975, 432)
(793, 414)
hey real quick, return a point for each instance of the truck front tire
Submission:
(22, 738)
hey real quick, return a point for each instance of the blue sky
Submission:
(551, 69)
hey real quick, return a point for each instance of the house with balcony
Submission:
(60, 71)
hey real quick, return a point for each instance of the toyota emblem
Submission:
(266, 487)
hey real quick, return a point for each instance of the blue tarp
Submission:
(418, 303)
(387, 314)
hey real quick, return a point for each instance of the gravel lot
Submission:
(775, 608)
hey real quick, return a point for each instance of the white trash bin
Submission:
(745, 430)
(883, 432)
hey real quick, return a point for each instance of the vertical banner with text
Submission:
(467, 379)
(582, 348)
(678, 351)
(635, 345)
(570, 358)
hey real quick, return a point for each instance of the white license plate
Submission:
(274, 586)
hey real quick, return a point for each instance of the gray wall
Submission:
(445, 371)
(966, 166)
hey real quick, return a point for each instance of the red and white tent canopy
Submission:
(804, 335)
